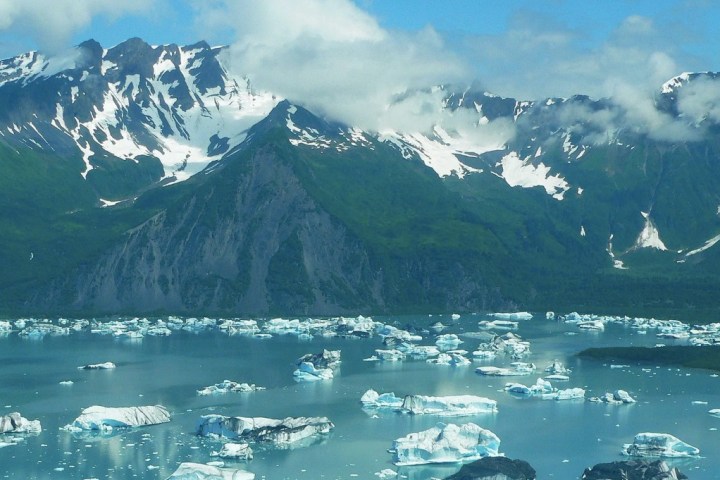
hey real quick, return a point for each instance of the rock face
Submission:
(445, 444)
(264, 430)
(632, 470)
(16, 423)
(109, 418)
(495, 468)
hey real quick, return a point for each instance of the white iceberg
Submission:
(263, 430)
(513, 315)
(569, 394)
(616, 397)
(659, 445)
(228, 386)
(445, 444)
(308, 373)
(448, 341)
(372, 399)
(98, 366)
(236, 451)
(715, 412)
(448, 406)
(109, 418)
(498, 324)
(557, 368)
(16, 423)
(386, 473)
(454, 359)
(199, 471)
(392, 355)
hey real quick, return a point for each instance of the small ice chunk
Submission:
(238, 451)
(308, 373)
(98, 366)
(228, 386)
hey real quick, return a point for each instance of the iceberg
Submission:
(633, 469)
(569, 394)
(324, 359)
(199, 471)
(448, 341)
(448, 406)
(98, 366)
(109, 418)
(389, 355)
(616, 397)
(513, 316)
(372, 399)
(452, 358)
(236, 451)
(557, 368)
(659, 445)
(451, 405)
(263, 430)
(16, 423)
(228, 386)
(308, 373)
(445, 444)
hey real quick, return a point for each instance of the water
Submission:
(559, 439)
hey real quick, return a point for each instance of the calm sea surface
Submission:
(559, 439)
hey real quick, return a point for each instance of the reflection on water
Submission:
(558, 438)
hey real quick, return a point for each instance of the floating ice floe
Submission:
(199, 471)
(98, 366)
(446, 406)
(517, 369)
(109, 418)
(715, 412)
(228, 386)
(557, 368)
(615, 398)
(498, 324)
(452, 358)
(544, 390)
(324, 359)
(307, 372)
(236, 451)
(448, 341)
(386, 473)
(659, 445)
(392, 355)
(512, 315)
(16, 423)
(445, 444)
(283, 432)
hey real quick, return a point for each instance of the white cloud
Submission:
(334, 58)
(53, 22)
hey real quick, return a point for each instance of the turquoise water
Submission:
(559, 439)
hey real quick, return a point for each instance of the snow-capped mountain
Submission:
(267, 207)
(133, 102)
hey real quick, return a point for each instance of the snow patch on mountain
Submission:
(523, 173)
(650, 236)
(708, 244)
(676, 82)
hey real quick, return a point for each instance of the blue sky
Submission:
(524, 48)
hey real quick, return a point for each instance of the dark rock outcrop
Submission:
(632, 470)
(495, 468)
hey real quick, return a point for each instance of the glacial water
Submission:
(558, 438)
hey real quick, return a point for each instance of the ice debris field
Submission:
(236, 439)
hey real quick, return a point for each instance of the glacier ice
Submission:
(445, 444)
(263, 430)
(228, 386)
(450, 405)
(200, 471)
(659, 445)
(16, 423)
(616, 397)
(109, 418)
(237, 451)
(98, 366)
(307, 372)
(512, 315)
(324, 359)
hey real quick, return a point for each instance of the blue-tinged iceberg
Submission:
(236, 451)
(199, 471)
(228, 386)
(283, 432)
(659, 445)
(307, 372)
(445, 444)
(372, 399)
(109, 418)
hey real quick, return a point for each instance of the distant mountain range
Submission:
(148, 179)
